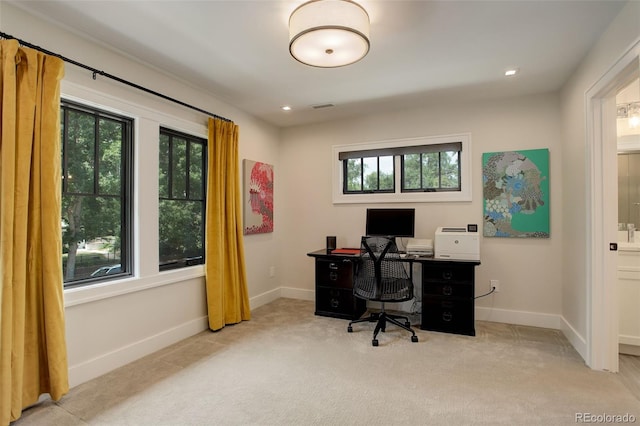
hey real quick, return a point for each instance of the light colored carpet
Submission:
(289, 367)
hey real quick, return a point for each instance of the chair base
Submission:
(382, 318)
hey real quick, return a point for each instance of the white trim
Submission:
(109, 361)
(600, 265)
(106, 289)
(629, 340)
(298, 293)
(147, 122)
(264, 298)
(576, 339)
(466, 162)
(97, 99)
(508, 316)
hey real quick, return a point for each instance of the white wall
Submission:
(620, 36)
(110, 325)
(529, 270)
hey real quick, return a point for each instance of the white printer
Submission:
(457, 243)
(420, 247)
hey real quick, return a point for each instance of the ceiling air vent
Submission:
(322, 106)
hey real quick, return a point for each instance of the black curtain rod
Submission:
(113, 77)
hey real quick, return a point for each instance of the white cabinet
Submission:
(629, 297)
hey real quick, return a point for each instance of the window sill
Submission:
(108, 289)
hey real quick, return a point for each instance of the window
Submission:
(182, 177)
(97, 153)
(368, 174)
(431, 169)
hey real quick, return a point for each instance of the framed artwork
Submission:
(516, 193)
(258, 197)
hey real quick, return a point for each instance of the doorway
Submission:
(602, 210)
(628, 282)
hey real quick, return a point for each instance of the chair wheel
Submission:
(374, 342)
(414, 338)
(350, 329)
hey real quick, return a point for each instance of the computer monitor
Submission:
(391, 222)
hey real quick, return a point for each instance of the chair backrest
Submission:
(380, 270)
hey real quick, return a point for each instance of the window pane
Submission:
(449, 169)
(110, 147)
(196, 177)
(80, 165)
(181, 225)
(179, 168)
(430, 170)
(411, 164)
(91, 236)
(386, 173)
(95, 227)
(163, 178)
(354, 174)
(181, 208)
(370, 165)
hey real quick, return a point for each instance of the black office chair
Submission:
(381, 276)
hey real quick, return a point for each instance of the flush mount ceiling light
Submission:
(329, 33)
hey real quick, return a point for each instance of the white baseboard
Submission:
(104, 363)
(533, 319)
(629, 349)
(575, 338)
(264, 298)
(298, 293)
(288, 292)
(629, 340)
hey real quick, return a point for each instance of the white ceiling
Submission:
(421, 51)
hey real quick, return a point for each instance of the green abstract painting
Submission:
(516, 193)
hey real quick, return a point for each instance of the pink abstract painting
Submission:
(258, 197)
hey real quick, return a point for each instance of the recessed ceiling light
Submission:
(511, 72)
(286, 108)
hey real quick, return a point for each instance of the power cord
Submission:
(493, 289)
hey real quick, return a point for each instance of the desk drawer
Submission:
(446, 273)
(334, 273)
(447, 315)
(338, 303)
(448, 289)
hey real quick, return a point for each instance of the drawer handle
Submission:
(335, 303)
(447, 316)
(447, 275)
(447, 290)
(333, 276)
(333, 266)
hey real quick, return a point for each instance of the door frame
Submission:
(602, 210)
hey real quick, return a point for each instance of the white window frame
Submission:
(404, 197)
(147, 123)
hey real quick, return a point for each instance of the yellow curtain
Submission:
(33, 354)
(226, 280)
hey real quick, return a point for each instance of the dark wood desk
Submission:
(448, 291)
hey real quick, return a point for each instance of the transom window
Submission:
(369, 174)
(430, 169)
(97, 185)
(434, 169)
(182, 178)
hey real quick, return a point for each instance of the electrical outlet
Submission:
(495, 285)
